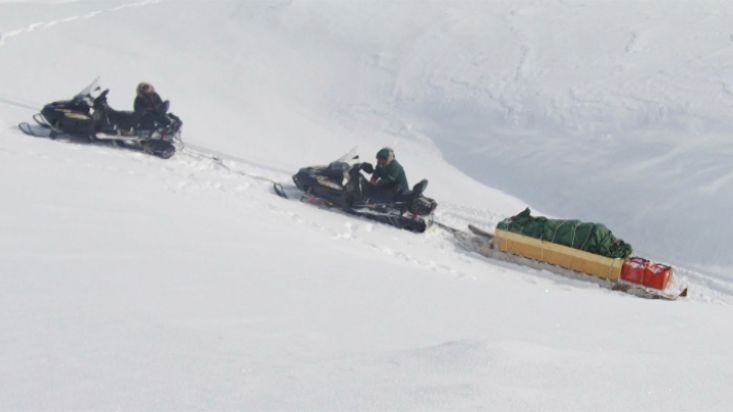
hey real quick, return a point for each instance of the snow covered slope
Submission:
(131, 283)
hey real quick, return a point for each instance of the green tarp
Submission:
(590, 237)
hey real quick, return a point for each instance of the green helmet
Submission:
(386, 154)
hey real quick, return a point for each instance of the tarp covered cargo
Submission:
(590, 237)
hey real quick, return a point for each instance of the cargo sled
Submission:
(619, 271)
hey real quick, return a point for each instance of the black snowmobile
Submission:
(88, 116)
(341, 185)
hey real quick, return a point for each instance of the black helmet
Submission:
(385, 154)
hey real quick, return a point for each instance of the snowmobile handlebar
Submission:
(101, 100)
(367, 167)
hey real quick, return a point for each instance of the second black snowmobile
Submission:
(341, 185)
(88, 116)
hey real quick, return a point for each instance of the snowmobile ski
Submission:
(279, 190)
(42, 122)
(35, 131)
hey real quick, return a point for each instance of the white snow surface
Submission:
(133, 283)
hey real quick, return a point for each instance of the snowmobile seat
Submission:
(419, 187)
(124, 120)
(416, 191)
(414, 200)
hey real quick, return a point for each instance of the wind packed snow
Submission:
(128, 282)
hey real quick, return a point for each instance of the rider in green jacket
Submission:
(388, 179)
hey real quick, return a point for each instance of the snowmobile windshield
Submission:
(337, 168)
(86, 94)
(348, 156)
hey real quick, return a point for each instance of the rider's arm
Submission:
(385, 176)
(157, 102)
(385, 180)
(138, 106)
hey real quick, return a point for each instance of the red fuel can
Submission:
(657, 275)
(634, 269)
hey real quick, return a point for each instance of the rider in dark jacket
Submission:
(148, 105)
